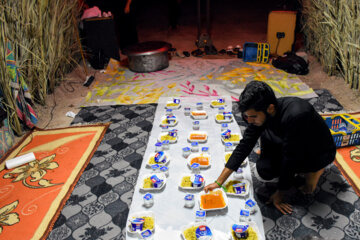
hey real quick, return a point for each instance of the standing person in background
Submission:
(124, 14)
(173, 13)
(294, 139)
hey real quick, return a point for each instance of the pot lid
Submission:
(147, 48)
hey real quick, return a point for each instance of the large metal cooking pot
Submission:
(148, 56)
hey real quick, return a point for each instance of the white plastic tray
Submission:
(197, 140)
(233, 142)
(137, 215)
(226, 153)
(168, 124)
(194, 155)
(217, 105)
(193, 224)
(199, 117)
(191, 188)
(166, 133)
(243, 164)
(177, 106)
(159, 175)
(251, 224)
(247, 188)
(225, 120)
(160, 164)
(213, 209)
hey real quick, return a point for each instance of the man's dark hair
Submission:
(258, 96)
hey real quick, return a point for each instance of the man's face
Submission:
(254, 117)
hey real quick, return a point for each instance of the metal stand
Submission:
(203, 39)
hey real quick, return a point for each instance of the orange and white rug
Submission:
(348, 161)
(33, 194)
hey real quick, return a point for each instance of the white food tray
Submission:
(193, 224)
(212, 104)
(194, 155)
(164, 134)
(138, 215)
(159, 175)
(168, 124)
(225, 120)
(197, 140)
(233, 142)
(247, 188)
(191, 188)
(160, 164)
(251, 224)
(243, 164)
(213, 209)
(177, 106)
(199, 117)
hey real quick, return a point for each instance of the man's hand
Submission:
(276, 199)
(211, 187)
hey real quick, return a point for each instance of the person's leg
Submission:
(311, 181)
(269, 163)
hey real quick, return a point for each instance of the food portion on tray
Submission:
(171, 136)
(155, 181)
(196, 230)
(220, 102)
(203, 159)
(142, 224)
(160, 158)
(213, 200)
(224, 117)
(199, 114)
(228, 136)
(198, 136)
(244, 230)
(174, 104)
(170, 121)
(236, 187)
(192, 182)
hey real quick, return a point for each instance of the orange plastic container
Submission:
(281, 22)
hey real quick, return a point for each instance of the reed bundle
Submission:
(42, 36)
(332, 35)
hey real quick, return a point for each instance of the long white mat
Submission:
(169, 210)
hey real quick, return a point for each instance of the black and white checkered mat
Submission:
(99, 204)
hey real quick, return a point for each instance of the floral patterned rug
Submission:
(190, 77)
(99, 204)
(33, 194)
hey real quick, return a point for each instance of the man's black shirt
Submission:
(301, 133)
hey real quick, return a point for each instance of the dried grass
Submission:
(42, 34)
(332, 35)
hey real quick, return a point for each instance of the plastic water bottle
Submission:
(187, 111)
(158, 147)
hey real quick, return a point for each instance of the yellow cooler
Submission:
(281, 31)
